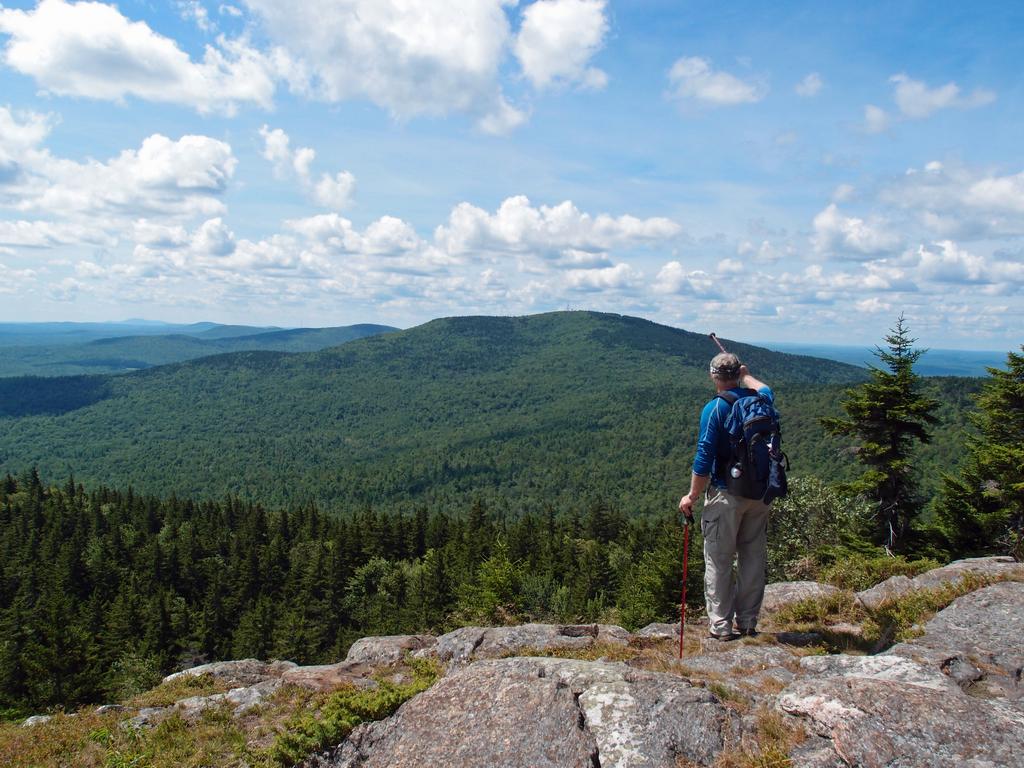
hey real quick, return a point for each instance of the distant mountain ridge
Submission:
(536, 410)
(121, 353)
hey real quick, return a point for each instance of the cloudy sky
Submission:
(785, 171)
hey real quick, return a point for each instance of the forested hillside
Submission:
(117, 354)
(520, 411)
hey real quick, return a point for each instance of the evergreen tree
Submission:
(982, 510)
(886, 415)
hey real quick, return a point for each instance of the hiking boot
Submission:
(749, 632)
(724, 638)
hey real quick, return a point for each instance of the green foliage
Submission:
(856, 571)
(519, 412)
(132, 674)
(808, 524)
(329, 723)
(982, 510)
(886, 416)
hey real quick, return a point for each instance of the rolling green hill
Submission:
(119, 354)
(545, 409)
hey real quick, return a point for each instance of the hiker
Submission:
(733, 526)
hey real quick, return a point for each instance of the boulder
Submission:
(242, 699)
(28, 722)
(488, 643)
(892, 711)
(387, 650)
(535, 712)
(147, 717)
(993, 568)
(329, 677)
(244, 672)
(890, 589)
(976, 641)
(660, 631)
(783, 593)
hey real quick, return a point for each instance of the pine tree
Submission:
(886, 415)
(982, 510)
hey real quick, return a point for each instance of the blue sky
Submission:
(789, 171)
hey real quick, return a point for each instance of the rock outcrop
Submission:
(534, 712)
(952, 696)
(992, 568)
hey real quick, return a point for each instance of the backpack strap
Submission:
(731, 397)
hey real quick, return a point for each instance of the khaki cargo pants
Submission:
(734, 528)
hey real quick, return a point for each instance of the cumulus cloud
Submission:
(955, 201)
(810, 85)
(558, 38)
(518, 226)
(851, 237)
(916, 100)
(692, 79)
(89, 49)
(328, 191)
(410, 58)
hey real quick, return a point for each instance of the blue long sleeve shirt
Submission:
(713, 449)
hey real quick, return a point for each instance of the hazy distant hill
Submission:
(534, 410)
(59, 333)
(117, 354)
(934, 362)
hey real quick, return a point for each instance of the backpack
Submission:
(757, 465)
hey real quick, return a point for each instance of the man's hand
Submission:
(686, 508)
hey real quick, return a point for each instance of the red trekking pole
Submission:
(682, 601)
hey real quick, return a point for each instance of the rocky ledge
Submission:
(514, 696)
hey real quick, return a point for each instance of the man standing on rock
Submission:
(734, 527)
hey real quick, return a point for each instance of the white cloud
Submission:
(693, 79)
(229, 10)
(410, 58)
(558, 38)
(873, 306)
(810, 85)
(916, 100)
(850, 236)
(673, 278)
(615, 278)
(876, 119)
(89, 49)
(518, 226)
(195, 11)
(333, 192)
(502, 118)
(954, 201)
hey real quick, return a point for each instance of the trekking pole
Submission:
(682, 601)
(715, 339)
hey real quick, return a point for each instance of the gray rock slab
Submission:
(990, 567)
(387, 650)
(147, 717)
(783, 593)
(329, 677)
(891, 588)
(492, 642)
(546, 712)
(977, 641)
(244, 672)
(28, 722)
(895, 713)
(242, 699)
(986, 567)
(659, 631)
(739, 659)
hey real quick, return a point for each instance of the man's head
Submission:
(725, 369)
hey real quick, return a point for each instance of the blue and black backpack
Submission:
(757, 466)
